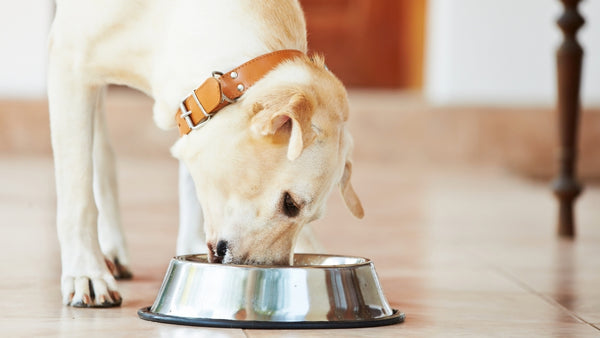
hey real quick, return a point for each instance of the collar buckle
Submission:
(185, 113)
(222, 89)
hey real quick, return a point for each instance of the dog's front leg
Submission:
(110, 233)
(86, 280)
(190, 239)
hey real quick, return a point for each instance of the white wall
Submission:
(478, 51)
(502, 52)
(24, 26)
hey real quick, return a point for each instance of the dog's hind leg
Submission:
(190, 239)
(110, 233)
(86, 280)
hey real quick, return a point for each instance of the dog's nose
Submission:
(222, 248)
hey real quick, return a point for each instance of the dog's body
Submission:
(261, 168)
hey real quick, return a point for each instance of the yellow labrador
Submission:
(261, 166)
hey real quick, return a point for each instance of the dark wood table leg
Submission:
(569, 58)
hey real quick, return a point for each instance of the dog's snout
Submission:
(217, 253)
(222, 247)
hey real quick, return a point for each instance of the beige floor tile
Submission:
(462, 250)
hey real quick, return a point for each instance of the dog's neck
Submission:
(221, 90)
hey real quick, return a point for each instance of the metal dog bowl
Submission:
(318, 291)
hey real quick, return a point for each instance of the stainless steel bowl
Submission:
(318, 291)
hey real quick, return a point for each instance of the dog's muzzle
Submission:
(217, 254)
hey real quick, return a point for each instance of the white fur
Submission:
(190, 239)
(166, 48)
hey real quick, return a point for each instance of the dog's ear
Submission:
(291, 116)
(350, 197)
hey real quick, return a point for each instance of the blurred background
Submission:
(455, 128)
(473, 80)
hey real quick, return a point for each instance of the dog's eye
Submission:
(290, 208)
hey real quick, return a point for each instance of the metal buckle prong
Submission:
(184, 111)
(185, 114)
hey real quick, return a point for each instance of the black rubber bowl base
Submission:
(146, 314)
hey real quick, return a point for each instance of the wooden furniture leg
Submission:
(569, 58)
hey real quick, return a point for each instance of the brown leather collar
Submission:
(222, 89)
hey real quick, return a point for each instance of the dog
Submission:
(251, 176)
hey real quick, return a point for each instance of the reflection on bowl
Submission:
(318, 291)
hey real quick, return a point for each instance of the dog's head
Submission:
(263, 167)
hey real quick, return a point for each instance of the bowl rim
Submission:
(362, 261)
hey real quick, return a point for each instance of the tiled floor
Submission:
(463, 250)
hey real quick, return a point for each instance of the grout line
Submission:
(546, 298)
(530, 289)
(245, 333)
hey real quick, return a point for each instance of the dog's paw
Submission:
(113, 247)
(84, 291)
(118, 270)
